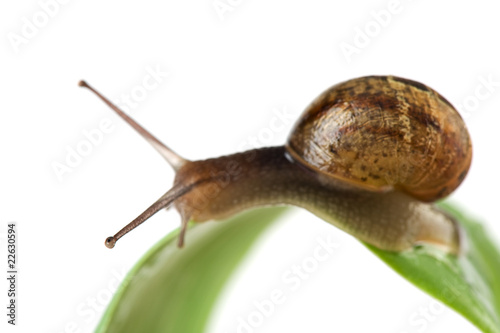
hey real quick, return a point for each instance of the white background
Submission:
(226, 74)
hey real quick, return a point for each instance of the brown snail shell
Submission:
(384, 132)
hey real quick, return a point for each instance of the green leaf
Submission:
(174, 290)
(469, 284)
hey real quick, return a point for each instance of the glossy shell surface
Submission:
(384, 132)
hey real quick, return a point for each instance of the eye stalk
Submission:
(110, 242)
(175, 160)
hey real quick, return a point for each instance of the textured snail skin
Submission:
(383, 132)
(391, 221)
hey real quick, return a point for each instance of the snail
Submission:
(369, 155)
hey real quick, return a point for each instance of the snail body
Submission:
(391, 220)
(369, 155)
